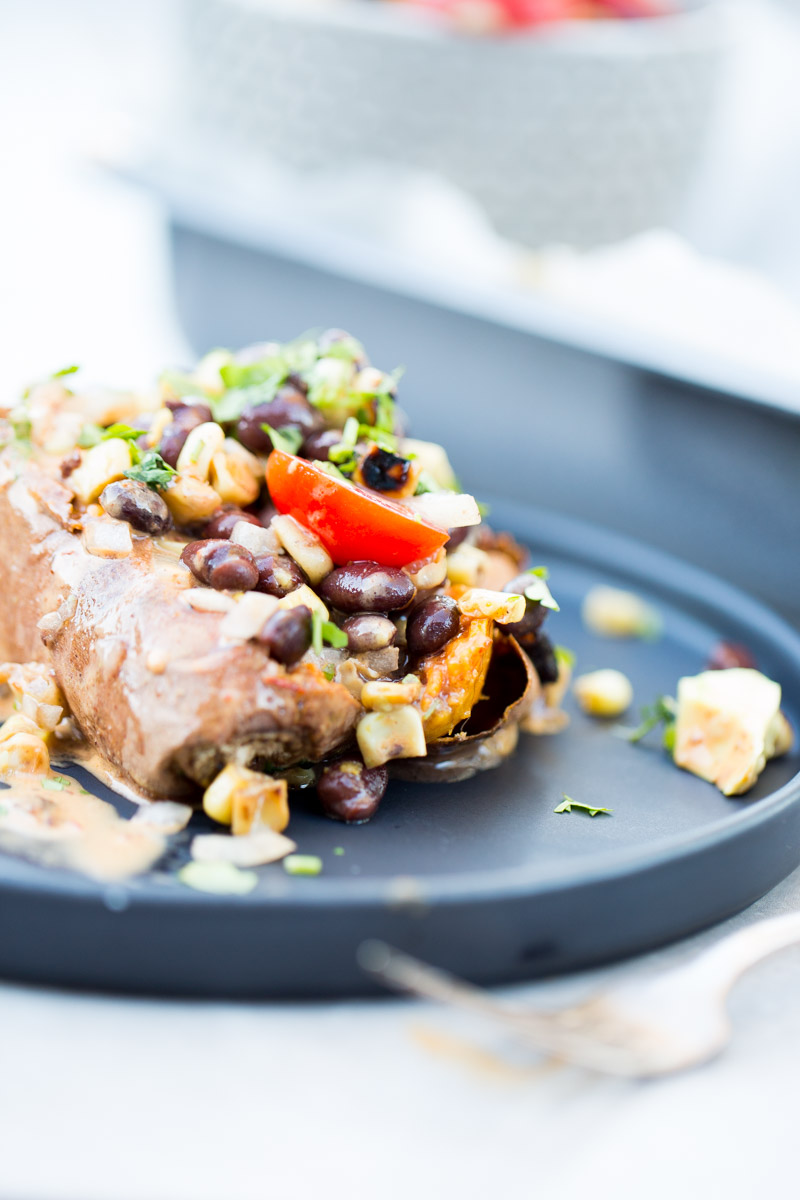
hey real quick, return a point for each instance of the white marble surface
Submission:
(115, 1099)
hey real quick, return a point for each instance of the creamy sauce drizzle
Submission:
(52, 821)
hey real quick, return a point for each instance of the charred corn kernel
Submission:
(304, 547)
(304, 595)
(430, 573)
(465, 564)
(259, 800)
(161, 419)
(19, 723)
(245, 799)
(107, 538)
(385, 695)
(104, 463)
(24, 754)
(605, 693)
(612, 612)
(503, 607)
(189, 500)
(199, 449)
(232, 479)
(383, 736)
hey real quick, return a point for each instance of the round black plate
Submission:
(481, 877)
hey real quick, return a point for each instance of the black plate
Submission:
(482, 876)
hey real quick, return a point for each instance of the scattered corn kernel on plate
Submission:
(581, 847)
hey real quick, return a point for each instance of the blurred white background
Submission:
(84, 264)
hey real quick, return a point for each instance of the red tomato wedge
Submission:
(352, 522)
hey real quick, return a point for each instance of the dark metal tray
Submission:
(482, 876)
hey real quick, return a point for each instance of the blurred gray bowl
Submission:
(584, 133)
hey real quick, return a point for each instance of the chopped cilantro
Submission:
(302, 864)
(287, 439)
(180, 383)
(651, 716)
(89, 436)
(538, 591)
(64, 371)
(152, 470)
(57, 784)
(325, 631)
(329, 671)
(570, 805)
(118, 430)
(338, 851)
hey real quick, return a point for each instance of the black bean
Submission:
(384, 471)
(221, 564)
(189, 412)
(288, 409)
(367, 587)
(317, 445)
(543, 657)
(456, 538)
(432, 624)
(368, 631)
(185, 418)
(729, 654)
(351, 792)
(535, 613)
(222, 523)
(266, 512)
(134, 502)
(287, 634)
(278, 575)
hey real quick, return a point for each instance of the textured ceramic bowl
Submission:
(582, 133)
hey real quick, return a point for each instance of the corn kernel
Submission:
(383, 736)
(503, 607)
(232, 479)
(104, 463)
(189, 500)
(245, 799)
(465, 564)
(611, 612)
(384, 695)
(605, 693)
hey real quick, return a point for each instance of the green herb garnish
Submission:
(538, 591)
(323, 631)
(56, 784)
(150, 468)
(338, 851)
(65, 371)
(126, 432)
(89, 436)
(329, 671)
(287, 439)
(651, 716)
(302, 864)
(570, 805)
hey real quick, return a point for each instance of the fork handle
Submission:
(727, 961)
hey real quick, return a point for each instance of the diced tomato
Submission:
(353, 522)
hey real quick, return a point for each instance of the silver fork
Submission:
(652, 1025)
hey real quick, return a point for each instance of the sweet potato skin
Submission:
(147, 679)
